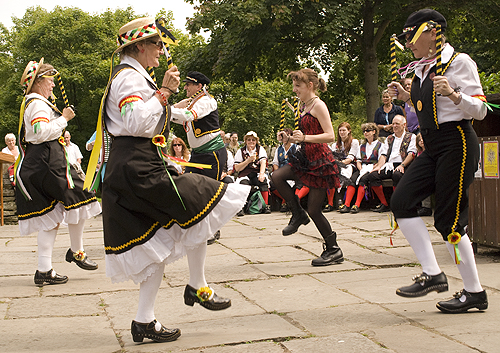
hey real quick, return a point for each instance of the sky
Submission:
(180, 9)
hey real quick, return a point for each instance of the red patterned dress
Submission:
(314, 163)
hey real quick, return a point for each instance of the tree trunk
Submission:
(370, 61)
(371, 82)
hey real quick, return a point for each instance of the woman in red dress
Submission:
(313, 164)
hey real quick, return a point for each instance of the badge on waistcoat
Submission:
(419, 105)
(197, 131)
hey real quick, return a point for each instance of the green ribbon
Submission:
(172, 180)
(213, 145)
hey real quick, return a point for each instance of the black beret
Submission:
(196, 77)
(422, 16)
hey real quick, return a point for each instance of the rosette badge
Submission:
(160, 141)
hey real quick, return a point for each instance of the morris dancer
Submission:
(49, 191)
(445, 102)
(200, 117)
(152, 216)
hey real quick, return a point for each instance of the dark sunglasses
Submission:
(158, 43)
(176, 144)
(367, 130)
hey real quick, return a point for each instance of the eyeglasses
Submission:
(48, 73)
(367, 130)
(158, 43)
(176, 144)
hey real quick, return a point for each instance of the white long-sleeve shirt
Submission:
(144, 117)
(50, 123)
(201, 108)
(462, 72)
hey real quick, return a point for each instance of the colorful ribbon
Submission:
(394, 226)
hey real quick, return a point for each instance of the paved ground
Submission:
(280, 302)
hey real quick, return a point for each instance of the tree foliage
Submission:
(252, 46)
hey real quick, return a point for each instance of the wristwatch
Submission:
(403, 165)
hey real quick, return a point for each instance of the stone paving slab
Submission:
(61, 334)
(218, 268)
(69, 306)
(302, 267)
(281, 304)
(17, 287)
(350, 342)
(274, 254)
(345, 318)
(408, 338)
(171, 310)
(375, 289)
(263, 241)
(297, 293)
(251, 347)
(221, 331)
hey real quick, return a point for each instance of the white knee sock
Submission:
(45, 241)
(147, 296)
(196, 261)
(467, 266)
(417, 235)
(76, 235)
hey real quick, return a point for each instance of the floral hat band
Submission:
(30, 74)
(408, 29)
(136, 33)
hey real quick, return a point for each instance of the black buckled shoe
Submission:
(80, 258)
(49, 277)
(140, 331)
(423, 285)
(328, 208)
(472, 300)
(383, 208)
(215, 237)
(344, 209)
(354, 209)
(202, 297)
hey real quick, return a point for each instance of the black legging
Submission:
(315, 198)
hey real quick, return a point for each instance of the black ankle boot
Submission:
(331, 252)
(299, 217)
(140, 331)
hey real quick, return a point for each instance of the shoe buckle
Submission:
(422, 278)
(459, 294)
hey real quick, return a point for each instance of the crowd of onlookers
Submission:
(369, 166)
